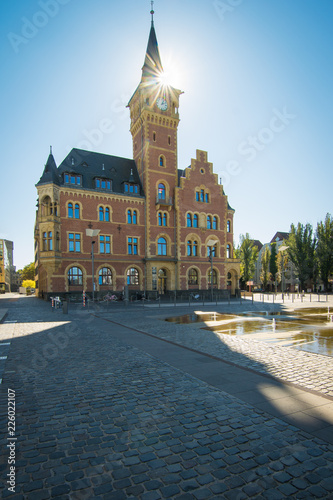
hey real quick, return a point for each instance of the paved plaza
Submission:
(116, 403)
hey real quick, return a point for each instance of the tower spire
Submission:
(152, 12)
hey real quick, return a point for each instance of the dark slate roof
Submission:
(50, 172)
(90, 165)
(279, 236)
(257, 243)
(152, 66)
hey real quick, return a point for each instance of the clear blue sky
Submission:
(257, 77)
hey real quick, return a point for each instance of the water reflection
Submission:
(308, 329)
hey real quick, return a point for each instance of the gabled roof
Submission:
(50, 174)
(91, 165)
(258, 244)
(279, 236)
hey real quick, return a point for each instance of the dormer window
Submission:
(131, 188)
(73, 179)
(103, 184)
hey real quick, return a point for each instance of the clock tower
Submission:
(154, 122)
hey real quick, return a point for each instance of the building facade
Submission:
(141, 222)
(6, 266)
(288, 281)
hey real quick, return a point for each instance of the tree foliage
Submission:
(248, 254)
(265, 275)
(301, 251)
(28, 272)
(273, 268)
(324, 250)
(28, 284)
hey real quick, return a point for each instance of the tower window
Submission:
(161, 192)
(162, 161)
(162, 246)
(154, 136)
(169, 140)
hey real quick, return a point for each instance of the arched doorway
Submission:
(162, 281)
(232, 281)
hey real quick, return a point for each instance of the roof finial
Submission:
(50, 150)
(152, 12)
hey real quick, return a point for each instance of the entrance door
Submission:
(162, 281)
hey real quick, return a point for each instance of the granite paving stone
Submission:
(97, 417)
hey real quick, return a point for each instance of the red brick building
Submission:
(157, 225)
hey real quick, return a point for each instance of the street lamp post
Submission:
(92, 232)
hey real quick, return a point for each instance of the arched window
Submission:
(129, 217)
(162, 246)
(57, 242)
(228, 226)
(75, 276)
(46, 206)
(189, 220)
(215, 222)
(161, 161)
(101, 213)
(228, 252)
(210, 277)
(189, 248)
(192, 248)
(160, 218)
(132, 276)
(70, 210)
(165, 220)
(77, 211)
(135, 217)
(161, 192)
(105, 276)
(107, 214)
(209, 222)
(193, 277)
(195, 220)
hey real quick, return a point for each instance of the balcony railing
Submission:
(167, 200)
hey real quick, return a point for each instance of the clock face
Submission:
(162, 104)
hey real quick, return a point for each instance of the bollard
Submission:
(65, 307)
(159, 301)
(252, 298)
(189, 300)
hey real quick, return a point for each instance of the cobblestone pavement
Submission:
(99, 419)
(302, 368)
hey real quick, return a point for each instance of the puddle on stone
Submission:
(309, 329)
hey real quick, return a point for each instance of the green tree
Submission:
(301, 251)
(248, 254)
(282, 264)
(265, 275)
(324, 250)
(273, 268)
(28, 272)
